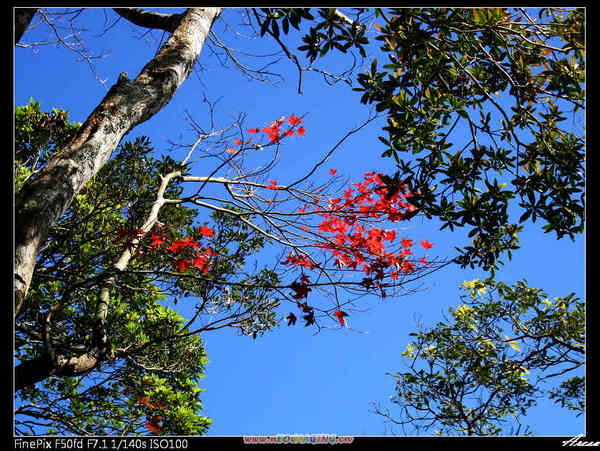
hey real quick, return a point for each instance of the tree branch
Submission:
(149, 19)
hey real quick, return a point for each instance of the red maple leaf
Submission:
(294, 120)
(300, 290)
(301, 131)
(187, 242)
(253, 130)
(389, 235)
(206, 231)
(176, 247)
(426, 244)
(406, 244)
(201, 262)
(340, 316)
(183, 264)
(298, 260)
(273, 132)
(157, 239)
(309, 318)
(291, 319)
(154, 428)
(408, 267)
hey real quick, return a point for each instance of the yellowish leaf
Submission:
(512, 344)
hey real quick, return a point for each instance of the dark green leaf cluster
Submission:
(37, 135)
(570, 394)
(286, 16)
(510, 86)
(332, 31)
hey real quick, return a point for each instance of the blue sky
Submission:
(290, 380)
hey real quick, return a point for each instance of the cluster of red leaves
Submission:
(128, 235)
(309, 317)
(154, 410)
(359, 246)
(239, 143)
(188, 251)
(298, 260)
(153, 424)
(274, 131)
(301, 288)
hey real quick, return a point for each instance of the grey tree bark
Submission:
(23, 17)
(127, 104)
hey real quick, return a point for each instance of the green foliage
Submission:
(37, 135)
(511, 82)
(479, 371)
(148, 339)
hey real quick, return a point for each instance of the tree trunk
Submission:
(127, 104)
(39, 369)
(23, 17)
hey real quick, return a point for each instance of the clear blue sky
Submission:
(291, 381)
